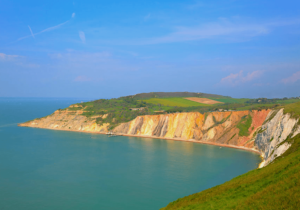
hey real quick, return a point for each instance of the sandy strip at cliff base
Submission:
(195, 141)
(154, 137)
(204, 100)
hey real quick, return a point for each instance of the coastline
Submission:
(195, 141)
(155, 137)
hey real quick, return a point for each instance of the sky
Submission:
(108, 49)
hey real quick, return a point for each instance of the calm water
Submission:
(45, 169)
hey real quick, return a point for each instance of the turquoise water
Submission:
(46, 169)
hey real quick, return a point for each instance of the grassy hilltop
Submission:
(127, 108)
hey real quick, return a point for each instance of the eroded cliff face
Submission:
(68, 120)
(267, 132)
(215, 127)
(271, 138)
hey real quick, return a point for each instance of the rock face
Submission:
(215, 127)
(266, 132)
(67, 120)
(271, 139)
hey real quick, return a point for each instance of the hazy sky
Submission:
(104, 49)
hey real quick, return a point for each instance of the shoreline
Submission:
(155, 137)
(195, 141)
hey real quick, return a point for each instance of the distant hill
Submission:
(173, 94)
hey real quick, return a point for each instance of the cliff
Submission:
(273, 186)
(272, 139)
(68, 120)
(214, 127)
(263, 131)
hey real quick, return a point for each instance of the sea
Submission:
(43, 169)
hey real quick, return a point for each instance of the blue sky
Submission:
(104, 49)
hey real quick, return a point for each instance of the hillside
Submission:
(173, 94)
(108, 114)
(275, 186)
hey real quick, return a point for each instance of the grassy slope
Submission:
(231, 100)
(244, 125)
(293, 109)
(180, 102)
(143, 96)
(276, 186)
(288, 101)
(256, 106)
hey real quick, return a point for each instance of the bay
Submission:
(47, 169)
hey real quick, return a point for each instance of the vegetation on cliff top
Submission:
(144, 96)
(293, 109)
(276, 186)
(117, 110)
(120, 110)
(172, 102)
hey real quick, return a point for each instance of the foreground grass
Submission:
(276, 186)
(179, 102)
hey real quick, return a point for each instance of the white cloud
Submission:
(292, 79)
(231, 77)
(52, 28)
(79, 57)
(5, 57)
(235, 29)
(239, 78)
(82, 36)
(213, 30)
(31, 31)
(45, 30)
(28, 65)
(82, 78)
(18, 60)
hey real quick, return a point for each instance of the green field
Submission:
(179, 102)
(231, 100)
(288, 101)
